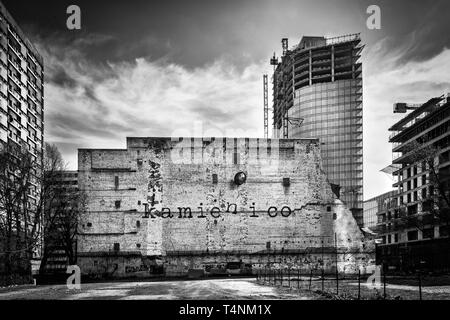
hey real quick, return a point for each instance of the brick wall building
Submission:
(185, 203)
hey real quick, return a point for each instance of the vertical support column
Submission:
(332, 64)
(266, 107)
(310, 67)
(285, 106)
(353, 62)
(285, 122)
(293, 81)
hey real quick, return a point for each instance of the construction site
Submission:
(318, 93)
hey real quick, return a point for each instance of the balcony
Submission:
(34, 72)
(15, 94)
(14, 63)
(393, 134)
(14, 49)
(321, 76)
(14, 79)
(301, 74)
(321, 62)
(15, 124)
(34, 98)
(15, 35)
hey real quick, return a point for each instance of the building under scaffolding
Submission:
(317, 93)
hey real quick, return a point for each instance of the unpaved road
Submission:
(198, 289)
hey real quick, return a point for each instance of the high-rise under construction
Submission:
(317, 93)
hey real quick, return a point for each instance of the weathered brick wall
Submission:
(157, 173)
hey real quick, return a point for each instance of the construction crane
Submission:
(286, 121)
(285, 45)
(274, 61)
(403, 107)
(266, 106)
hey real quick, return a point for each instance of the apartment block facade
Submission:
(317, 93)
(21, 101)
(374, 207)
(21, 88)
(415, 230)
(60, 254)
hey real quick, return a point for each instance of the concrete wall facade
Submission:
(285, 204)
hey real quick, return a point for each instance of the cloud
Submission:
(94, 105)
(387, 81)
(97, 105)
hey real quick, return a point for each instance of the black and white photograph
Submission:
(206, 151)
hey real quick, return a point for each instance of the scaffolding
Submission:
(266, 106)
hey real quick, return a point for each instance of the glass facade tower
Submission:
(318, 94)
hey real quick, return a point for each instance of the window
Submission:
(116, 247)
(89, 224)
(412, 210)
(268, 245)
(215, 179)
(117, 204)
(138, 245)
(428, 233)
(424, 193)
(286, 182)
(396, 237)
(235, 158)
(444, 231)
(138, 224)
(412, 235)
(431, 191)
(116, 182)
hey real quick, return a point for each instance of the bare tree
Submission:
(20, 214)
(61, 206)
(36, 210)
(436, 201)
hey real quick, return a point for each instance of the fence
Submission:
(356, 287)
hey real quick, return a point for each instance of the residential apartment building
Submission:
(21, 88)
(317, 93)
(21, 99)
(416, 231)
(60, 242)
(374, 207)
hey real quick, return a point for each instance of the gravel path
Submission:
(198, 289)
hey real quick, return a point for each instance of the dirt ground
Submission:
(348, 289)
(222, 289)
(217, 289)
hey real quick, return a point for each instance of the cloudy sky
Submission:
(162, 68)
